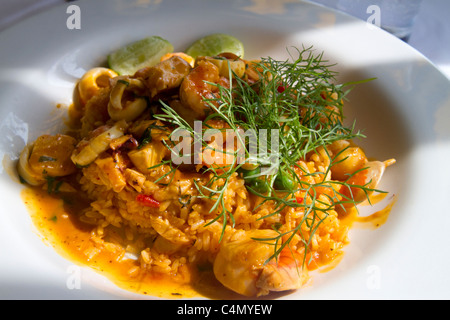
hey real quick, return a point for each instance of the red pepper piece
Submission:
(280, 89)
(147, 201)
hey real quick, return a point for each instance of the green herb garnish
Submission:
(147, 135)
(53, 184)
(298, 101)
(46, 159)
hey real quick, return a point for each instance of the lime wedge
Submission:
(215, 44)
(142, 53)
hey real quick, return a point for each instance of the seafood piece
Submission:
(253, 72)
(47, 156)
(186, 113)
(127, 142)
(183, 55)
(226, 61)
(148, 156)
(24, 170)
(95, 112)
(126, 99)
(284, 273)
(196, 87)
(241, 265)
(348, 161)
(134, 179)
(166, 230)
(369, 177)
(166, 76)
(92, 81)
(141, 129)
(110, 174)
(97, 142)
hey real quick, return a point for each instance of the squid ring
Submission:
(124, 109)
(24, 170)
(92, 81)
(88, 151)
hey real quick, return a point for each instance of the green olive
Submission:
(260, 185)
(248, 175)
(255, 181)
(284, 181)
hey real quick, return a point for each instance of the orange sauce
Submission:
(54, 220)
(378, 218)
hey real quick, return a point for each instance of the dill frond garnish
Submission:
(299, 109)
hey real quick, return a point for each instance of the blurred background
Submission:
(429, 33)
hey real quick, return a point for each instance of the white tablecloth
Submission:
(430, 36)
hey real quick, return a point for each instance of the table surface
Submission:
(430, 35)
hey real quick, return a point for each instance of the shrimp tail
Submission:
(285, 273)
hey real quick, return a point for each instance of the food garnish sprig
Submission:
(298, 98)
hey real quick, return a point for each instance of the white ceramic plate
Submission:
(405, 113)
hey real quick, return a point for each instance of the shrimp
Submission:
(47, 156)
(348, 161)
(351, 166)
(198, 86)
(241, 265)
(369, 177)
